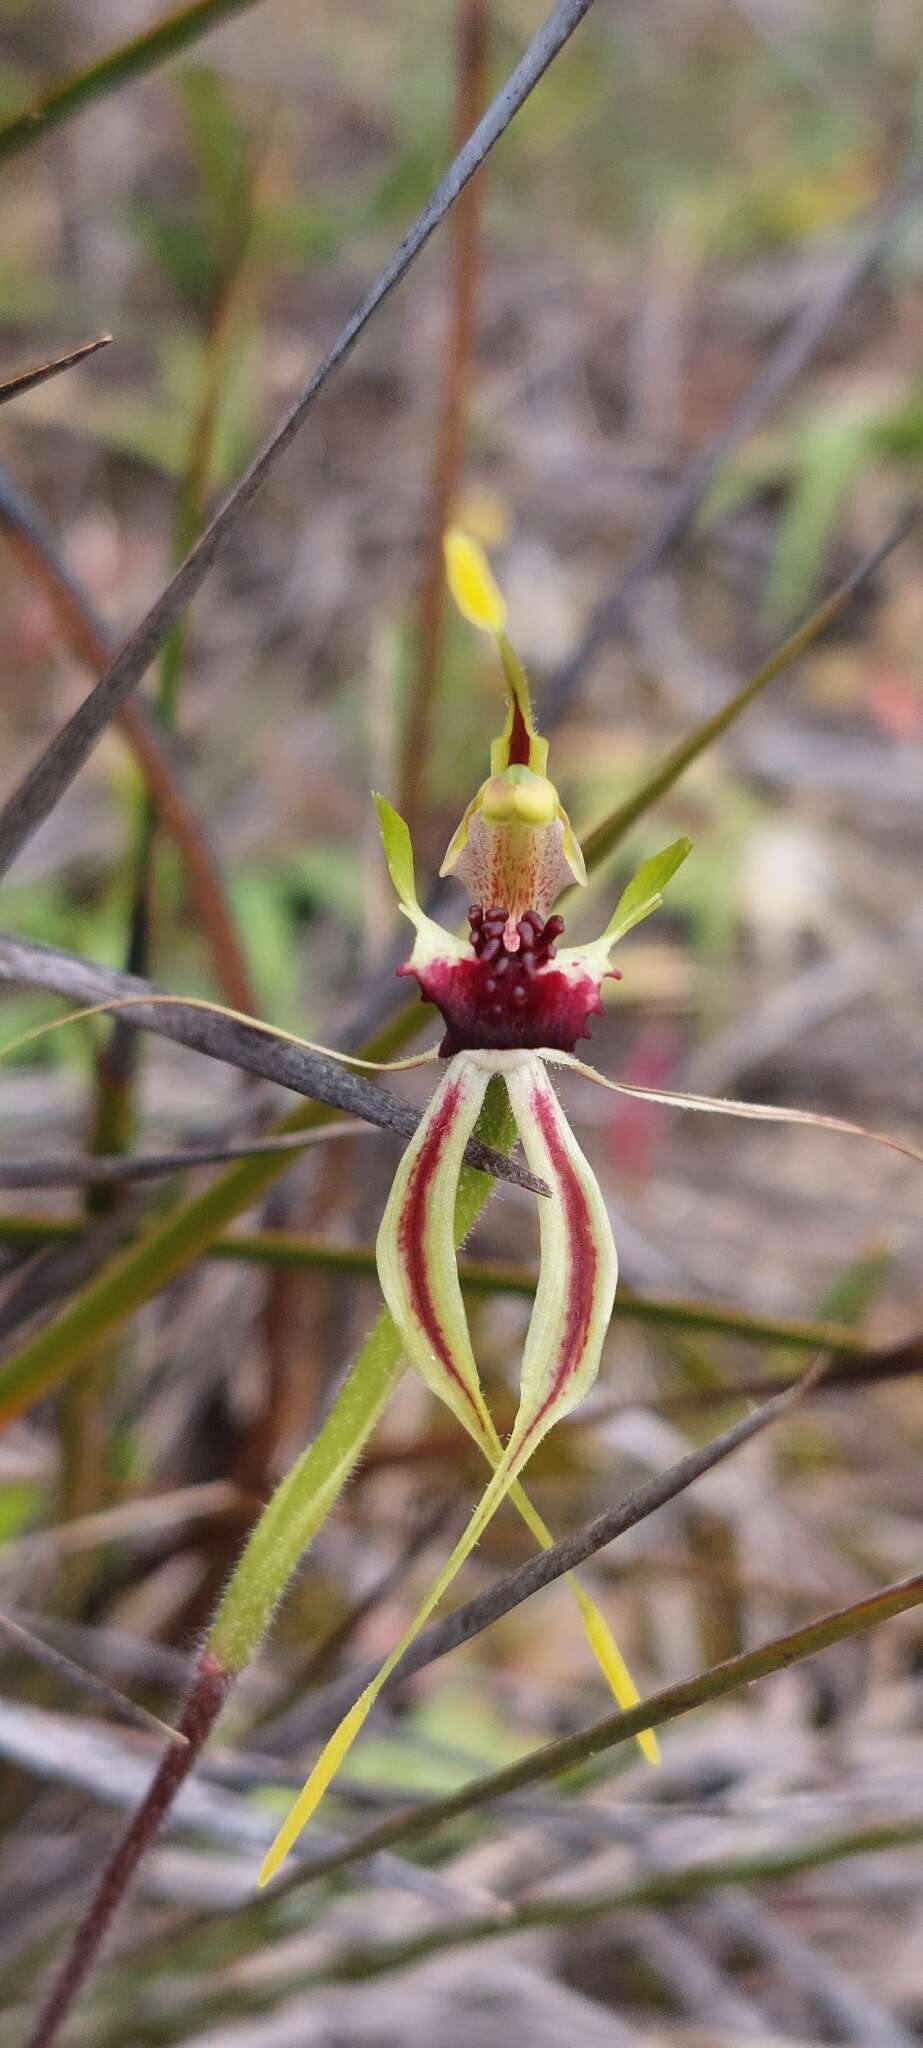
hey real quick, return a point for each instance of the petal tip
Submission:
(471, 582)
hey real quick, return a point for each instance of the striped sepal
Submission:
(417, 1265)
(419, 1278)
(579, 1267)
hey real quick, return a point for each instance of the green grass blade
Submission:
(118, 67)
(614, 828)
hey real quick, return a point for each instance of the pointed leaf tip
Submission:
(644, 893)
(309, 1798)
(398, 850)
(471, 582)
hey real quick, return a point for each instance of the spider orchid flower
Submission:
(512, 1000)
(514, 1003)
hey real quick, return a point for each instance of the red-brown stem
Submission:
(207, 1695)
(471, 43)
(177, 819)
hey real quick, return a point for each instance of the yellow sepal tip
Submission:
(615, 1670)
(471, 582)
(309, 1798)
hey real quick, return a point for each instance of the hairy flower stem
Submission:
(206, 1697)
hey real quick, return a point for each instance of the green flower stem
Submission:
(308, 1492)
(484, 1276)
(304, 1499)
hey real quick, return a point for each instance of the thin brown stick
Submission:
(43, 1653)
(91, 643)
(471, 44)
(26, 380)
(205, 1700)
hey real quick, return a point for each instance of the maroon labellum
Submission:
(500, 998)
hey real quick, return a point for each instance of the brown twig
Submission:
(43, 1653)
(471, 43)
(206, 1699)
(26, 380)
(90, 642)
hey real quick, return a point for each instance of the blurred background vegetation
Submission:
(684, 186)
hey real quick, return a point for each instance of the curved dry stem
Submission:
(91, 643)
(753, 1112)
(275, 1032)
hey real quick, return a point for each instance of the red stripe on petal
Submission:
(412, 1234)
(582, 1261)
